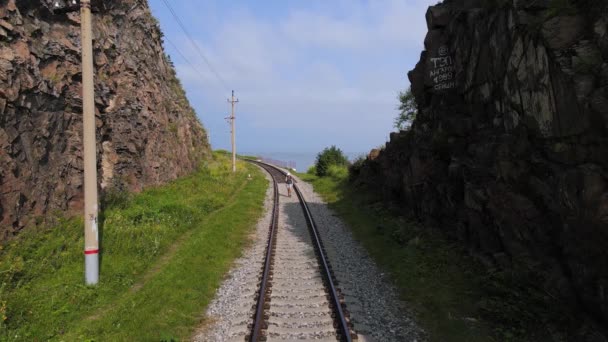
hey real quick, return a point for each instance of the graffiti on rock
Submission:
(442, 70)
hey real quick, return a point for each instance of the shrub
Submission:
(337, 172)
(312, 170)
(407, 110)
(115, 198)
(330, 156)
(354, 170)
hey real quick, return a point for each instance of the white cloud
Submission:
(339, 64)
(366, 25)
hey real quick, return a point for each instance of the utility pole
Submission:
(233, 101)
(91, 234)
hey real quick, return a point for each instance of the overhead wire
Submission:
(183, 56)
(196, 46)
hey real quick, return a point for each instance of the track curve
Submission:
(298, 295)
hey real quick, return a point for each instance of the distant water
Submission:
(303, 160)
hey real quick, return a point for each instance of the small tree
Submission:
(329, 156)
(407, 108)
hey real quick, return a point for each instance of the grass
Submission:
(434, 276)
(164, 253)
(229, 154)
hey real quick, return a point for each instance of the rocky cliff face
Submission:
(509, 152)
(147, 133)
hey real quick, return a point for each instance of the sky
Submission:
(308, 74)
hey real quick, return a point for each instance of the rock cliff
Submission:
(147, 133)
(509, 152)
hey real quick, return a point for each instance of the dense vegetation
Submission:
(164, 253)
(330, 161)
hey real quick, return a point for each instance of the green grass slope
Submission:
(164, 253)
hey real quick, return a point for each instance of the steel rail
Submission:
(342, 324)
(258, 325)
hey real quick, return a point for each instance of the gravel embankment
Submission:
(376, 311)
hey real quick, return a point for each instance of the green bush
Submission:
(329, 156)
(407, 110)
(115, 199)
(312, 170)
(354, 170)
(337, 172)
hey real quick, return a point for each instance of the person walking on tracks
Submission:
(289, 182)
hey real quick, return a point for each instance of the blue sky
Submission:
(308, 74)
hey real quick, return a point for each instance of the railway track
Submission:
(298, 296)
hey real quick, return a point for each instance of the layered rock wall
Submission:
(509, 151)
(147, 133)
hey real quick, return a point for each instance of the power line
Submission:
(179, 51)
(184, 57)
(193, 42)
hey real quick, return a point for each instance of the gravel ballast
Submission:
(374, 305)
(376, 311)
(299, 307)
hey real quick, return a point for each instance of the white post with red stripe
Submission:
(91, 234)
